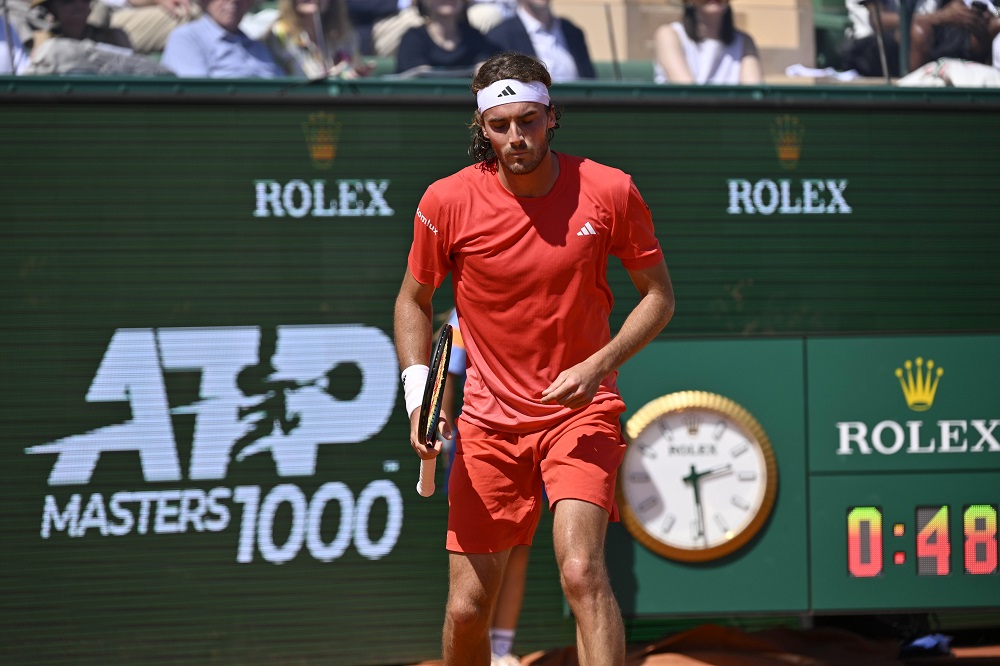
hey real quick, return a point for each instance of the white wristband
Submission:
(414, 380)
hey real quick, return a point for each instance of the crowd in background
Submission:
(312, 39)
(317, 39)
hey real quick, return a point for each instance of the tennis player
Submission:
(526, 234)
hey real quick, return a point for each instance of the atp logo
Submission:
(260, 392)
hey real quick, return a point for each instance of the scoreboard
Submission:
(931, 532)
(888, 466)
(905, 465)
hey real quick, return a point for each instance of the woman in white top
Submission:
(706, 48)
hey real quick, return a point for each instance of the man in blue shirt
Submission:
(215, 47)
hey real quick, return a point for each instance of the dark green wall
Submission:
(132, 206)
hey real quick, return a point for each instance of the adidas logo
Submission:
(586, 230)
(507, 92)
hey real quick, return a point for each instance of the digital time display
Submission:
(868, 535)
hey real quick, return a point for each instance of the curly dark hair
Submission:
(509, 65)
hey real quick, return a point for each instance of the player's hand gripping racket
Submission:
(430, 408)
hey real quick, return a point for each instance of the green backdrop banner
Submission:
(204, 448)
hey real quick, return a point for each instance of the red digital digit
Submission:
(933, 544)
(980, 528)
(864, 541)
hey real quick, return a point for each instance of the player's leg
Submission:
(493, 489)
(474, 582)
(579, 529)
(579, 463)
(508, 608)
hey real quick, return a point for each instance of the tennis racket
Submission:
(430, 408)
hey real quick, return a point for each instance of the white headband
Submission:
(506, 91)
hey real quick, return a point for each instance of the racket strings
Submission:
(434, 393)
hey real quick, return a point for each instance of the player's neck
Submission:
(538, 183)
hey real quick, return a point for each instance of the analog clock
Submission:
(699, 477)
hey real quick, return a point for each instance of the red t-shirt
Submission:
(530, 282)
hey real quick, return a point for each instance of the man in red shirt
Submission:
(527, 234)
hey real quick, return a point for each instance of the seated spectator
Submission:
(484, 15)
(71, 45)
(445, 41)
(315, 39)
(366, 14)
(939, 29)
(383, 22)
(13, 56)
(705, 47)
(147, 22)
(387, 31)
(557, 42)
(24, 18)
(68, 19)
(213, 46)
(380, 24)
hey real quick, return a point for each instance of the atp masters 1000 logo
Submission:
(260, 393)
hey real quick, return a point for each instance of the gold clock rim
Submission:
(677, 402)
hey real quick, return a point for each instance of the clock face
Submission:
(699, 476)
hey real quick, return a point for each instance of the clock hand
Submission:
(692, 480)
(693, 477)
(718, 470)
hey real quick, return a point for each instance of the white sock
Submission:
(501, 641)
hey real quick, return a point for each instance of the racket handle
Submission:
(425, 484)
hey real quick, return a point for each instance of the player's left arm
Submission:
(575, 387)
(412, 326)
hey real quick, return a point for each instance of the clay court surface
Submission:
(712, 645)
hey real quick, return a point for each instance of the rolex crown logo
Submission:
(919, 383)
(322, 133)
(693, 423)
(787, 132)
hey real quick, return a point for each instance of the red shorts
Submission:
(495, 487)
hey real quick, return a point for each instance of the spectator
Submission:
(445, 41)
(213, 46)
(365, 15)
(705, 47)
(939, 29)
(147, 22)
(315, 39)
(13, 57)
(557, 42)
(381, 23)
(484, 15)
(68, 19)
(23, 18)
(71, 45)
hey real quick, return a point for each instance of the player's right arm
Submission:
(413, 328)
